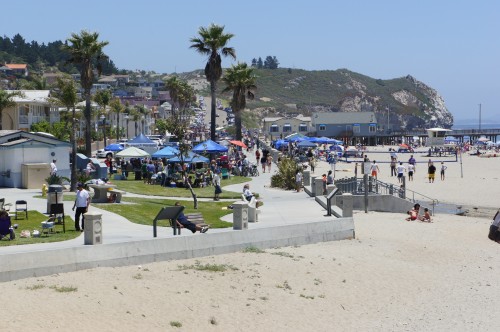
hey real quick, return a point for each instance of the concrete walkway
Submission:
(281, 208)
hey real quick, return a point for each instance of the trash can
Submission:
(93, 228)
(54, 195)
(240, 215)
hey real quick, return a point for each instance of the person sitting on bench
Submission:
(182, 221)
(247, 193)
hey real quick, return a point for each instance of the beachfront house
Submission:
(32, 107)
(352, 127)
(278, 127)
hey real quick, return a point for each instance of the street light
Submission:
(103, 119)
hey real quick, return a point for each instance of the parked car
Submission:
(101, 153)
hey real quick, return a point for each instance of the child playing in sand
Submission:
(412, 215)
(427, 216)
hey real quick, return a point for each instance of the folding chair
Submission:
(21, 206)
(58, 211)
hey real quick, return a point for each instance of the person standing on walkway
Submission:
(53, 167)
(216, 182)
(401, 169)
(257, 155)
(443, 168)
(263, 162)
(82, 203)
(411, 168)
(269, 162)
(298, 179)
(393, 167)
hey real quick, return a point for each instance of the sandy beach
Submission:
(394, 276)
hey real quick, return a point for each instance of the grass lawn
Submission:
(34, 222)
(144, 210)
(139, 187)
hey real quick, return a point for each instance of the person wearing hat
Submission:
(82, 203)
(53, 167)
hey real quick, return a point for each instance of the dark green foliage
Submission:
(285, 176)
(38, 56)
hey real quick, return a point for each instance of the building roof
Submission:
(40, 96)
(344, 117)
(19, 136)
(16, 65)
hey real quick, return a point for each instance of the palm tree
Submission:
(239, 79)
(7, 101)
(211, 41)
(85, 52)
(102, 98)
(118, 108)
(67, 97)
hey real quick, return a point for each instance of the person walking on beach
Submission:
(411, 168)
(431, 172)
(413, 162)
(393, 167)
(374, 169)
(443, 168)
(401, 169)
(269, 163)
(82, 203)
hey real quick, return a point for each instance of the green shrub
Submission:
(285, 176)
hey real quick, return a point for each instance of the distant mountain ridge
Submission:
(400, 103)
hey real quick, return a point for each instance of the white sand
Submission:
(395, 276)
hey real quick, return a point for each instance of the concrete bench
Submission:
(195, 218)
(118, 193)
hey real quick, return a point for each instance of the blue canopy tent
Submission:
(166, 152)
(191, 158)
(279, 143)
(306, 144)
(209, 147)
(114, 147)
(334, 141)
(296, 139)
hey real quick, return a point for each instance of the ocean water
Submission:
(476, 126)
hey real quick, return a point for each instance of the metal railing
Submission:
(356, 186)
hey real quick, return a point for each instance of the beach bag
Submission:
(494, 234)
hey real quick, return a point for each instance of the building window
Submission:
(302, 127)
(322, 127)
(274, 128)
(287, 128)
(356, 129)
(373, 128)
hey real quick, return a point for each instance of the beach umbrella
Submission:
(239, 143)
(404, 146)
(114, 147)
(132, 152)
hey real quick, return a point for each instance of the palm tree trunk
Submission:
(88, 135)
(213, 88)
(237, 124)
(73, 153)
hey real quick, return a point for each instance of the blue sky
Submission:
(452, 46)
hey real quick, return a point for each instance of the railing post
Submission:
(391, 189)
(365, 181)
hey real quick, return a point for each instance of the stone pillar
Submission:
(318, 187)
(313, 189)
(93, 228)
(240, 215)
(307, 178)
(329, 188)
(347, 204)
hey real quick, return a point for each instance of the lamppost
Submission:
(103, 119)
(127, 118)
